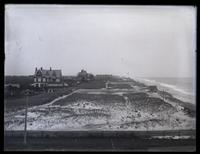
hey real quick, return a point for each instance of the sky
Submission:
(133, 41)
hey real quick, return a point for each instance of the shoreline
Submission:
(177, 91)
(190, 108)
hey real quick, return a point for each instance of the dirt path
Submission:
(41, 106)
(62, 97)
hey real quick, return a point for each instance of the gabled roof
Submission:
(49, 73)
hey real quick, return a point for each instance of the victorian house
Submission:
(47, 78)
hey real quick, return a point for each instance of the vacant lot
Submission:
(96, 84)
(20, 103)
(120, 86)
(98, 98)
(141, 101)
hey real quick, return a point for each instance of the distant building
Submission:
(14, 85)
(47, 78)
(84, 76)
(11, 89)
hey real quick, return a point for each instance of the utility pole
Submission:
(4, 113)
(27, 92)
(147, 111)
(163, 95)
(25, 125)
(107, 84)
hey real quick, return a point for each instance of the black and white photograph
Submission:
(99, 77)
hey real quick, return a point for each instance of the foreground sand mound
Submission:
(127, 111)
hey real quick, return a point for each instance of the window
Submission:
(44, 80)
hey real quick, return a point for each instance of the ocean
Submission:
(181, 88)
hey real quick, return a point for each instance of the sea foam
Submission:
(177, 92)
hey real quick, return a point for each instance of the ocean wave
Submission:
(177, 92)
(165, 85)
(176, 89)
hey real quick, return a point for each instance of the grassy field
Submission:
(96, 84)
(141, 101)
(120, 86)
(20, 103)
(98, 98)
(24, 81)
(14, 104)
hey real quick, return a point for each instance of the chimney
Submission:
(36, 69)
(50, 68)
(41, 68)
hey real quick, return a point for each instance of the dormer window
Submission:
(39, 73)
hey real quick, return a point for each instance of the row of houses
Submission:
(49, 80)
(54, 78)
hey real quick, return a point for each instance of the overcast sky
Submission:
(140, 41)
